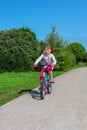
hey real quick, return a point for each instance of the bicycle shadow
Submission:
(35, 94)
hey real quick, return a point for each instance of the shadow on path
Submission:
(34, 93)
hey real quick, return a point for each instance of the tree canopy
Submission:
(78, 50)
(18, 49)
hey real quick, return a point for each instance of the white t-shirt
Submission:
(46, 60)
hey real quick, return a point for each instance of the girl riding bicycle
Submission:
(48, 63)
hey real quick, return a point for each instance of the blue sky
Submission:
(69, 17)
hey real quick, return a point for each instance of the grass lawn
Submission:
(14, 84)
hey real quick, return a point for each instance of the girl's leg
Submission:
(49, 69)
(42, 74)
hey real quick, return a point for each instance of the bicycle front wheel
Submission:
(42, 90)
(50, 88)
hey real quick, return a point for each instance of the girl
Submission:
(48, 59)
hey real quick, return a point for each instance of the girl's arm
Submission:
(38, 59)
(54, 61)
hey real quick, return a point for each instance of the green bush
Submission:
(66, 59)
(78, 50)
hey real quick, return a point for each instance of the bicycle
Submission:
(45, 85)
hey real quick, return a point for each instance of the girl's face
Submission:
(47, 51)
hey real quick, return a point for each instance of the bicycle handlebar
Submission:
(40, 66)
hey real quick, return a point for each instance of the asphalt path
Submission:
(64, 109)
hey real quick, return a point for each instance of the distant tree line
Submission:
(19, 48)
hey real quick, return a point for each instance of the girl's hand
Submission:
(53, 65)
(35, 65)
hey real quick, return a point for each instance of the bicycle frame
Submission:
(45, 85)
(44, 75)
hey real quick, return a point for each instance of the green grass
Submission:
(13, 84)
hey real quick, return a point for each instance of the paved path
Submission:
(64, 109)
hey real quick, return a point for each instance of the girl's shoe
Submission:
(51, 80)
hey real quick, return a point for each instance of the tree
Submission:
(66, 59)
(18, 49)
(41, 46)
(57, 42)
(85, 58)
(78, 50)
(54, 39)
